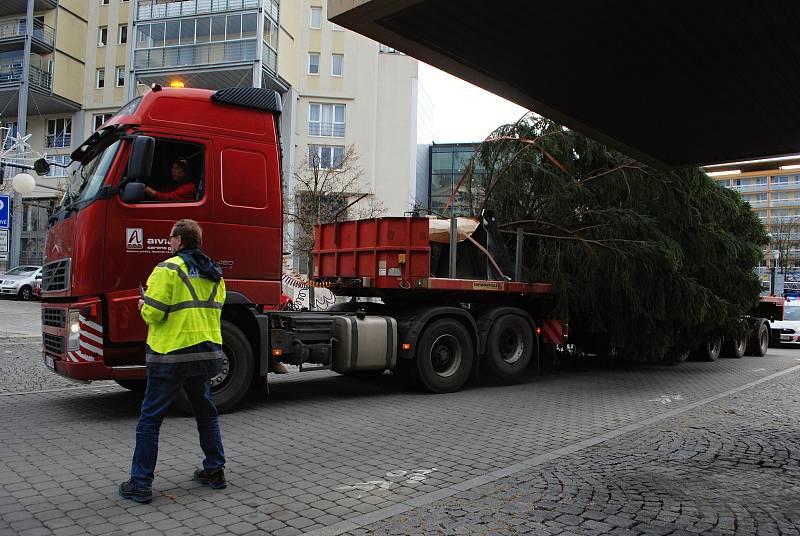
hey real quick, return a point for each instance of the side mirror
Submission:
(38, 276)
(133, 192)
(41, 167)
(141, 160)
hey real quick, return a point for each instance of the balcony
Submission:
(181, 56)
(758, 203)
(11, 76)
(19, 7)
(749, 188)
(326, 130)
(12, 36)
(792, 202)
(784, 186)
(153, 10)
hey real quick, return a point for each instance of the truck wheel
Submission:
(25, 293)
(229, 386)
(137, 386)
(734, 348)
(444, 356)
(710, 350)
(509, 347)
(759, 344)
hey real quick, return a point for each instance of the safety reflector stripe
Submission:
(89, 336)
(94, 325)
(91, 349)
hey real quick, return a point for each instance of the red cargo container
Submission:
(388, 252)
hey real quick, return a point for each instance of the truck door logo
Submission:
(134, 238)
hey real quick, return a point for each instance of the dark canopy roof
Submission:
(672, 83)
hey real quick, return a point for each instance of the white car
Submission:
(787, 331)
(20, 281)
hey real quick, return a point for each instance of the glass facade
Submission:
(447, 165)
(205, 33)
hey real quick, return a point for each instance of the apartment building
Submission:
(339, 89)
(772, 188)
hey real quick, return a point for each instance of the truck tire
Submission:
(509, 346)
(137, 386)
(734, 348)
(444, 356)
(230, 386)
(710, 350)
(759, 343)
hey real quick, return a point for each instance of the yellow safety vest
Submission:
(182, 309)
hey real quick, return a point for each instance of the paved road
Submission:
(643, 449)
(20, 319)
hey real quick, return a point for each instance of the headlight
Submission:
(74, 330)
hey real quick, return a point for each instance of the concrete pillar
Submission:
(22, 127)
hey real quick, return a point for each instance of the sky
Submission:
(463, 112)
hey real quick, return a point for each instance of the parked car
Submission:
(20, 281)
(787, 331)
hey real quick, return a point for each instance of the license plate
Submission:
(49, 363)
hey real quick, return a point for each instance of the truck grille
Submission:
(56, 318)
(56, 275)
(53, 344)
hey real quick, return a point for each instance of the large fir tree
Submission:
(645, 261)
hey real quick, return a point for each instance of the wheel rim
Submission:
(218, 381)
(715, 347)
(764, 341)
(26, 294)
(445, 355)
(512, 347)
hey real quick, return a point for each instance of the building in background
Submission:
(448, 161)
(89, 57)
(41, 91)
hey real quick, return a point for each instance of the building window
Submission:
(325, 156)
(59, 132)
(123, 34)
(100, 78)
(337, 64)
(313, 63)
(120, 75)
(99, 119)
(61, 159)
(104, 2)
(102, 36)
(782, 179)
(326, 120)
(316, 18)
(9, 134)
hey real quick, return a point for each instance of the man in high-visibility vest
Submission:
(182, 308)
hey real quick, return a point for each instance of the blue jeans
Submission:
(158, 396)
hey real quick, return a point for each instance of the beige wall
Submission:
(379, 93)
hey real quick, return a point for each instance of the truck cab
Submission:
(106, 235)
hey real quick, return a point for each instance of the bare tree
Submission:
(327, 188)
(784, 239)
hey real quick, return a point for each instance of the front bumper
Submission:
(9, 291)
(90, 359)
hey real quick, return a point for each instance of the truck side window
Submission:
(178, 173)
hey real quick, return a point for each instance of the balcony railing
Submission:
(243, 50)
(330, 130)
(758, 203)
(793, 202)
(750, 188)
(58, 140)
(785, 186)
(11, 74)
(15, 28)
(150, 9)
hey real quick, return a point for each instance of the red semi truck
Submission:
(106, 236)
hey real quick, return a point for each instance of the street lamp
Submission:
(775, 256)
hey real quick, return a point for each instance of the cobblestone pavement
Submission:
(329, 453)
(730, 467)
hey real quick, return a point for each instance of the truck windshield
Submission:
(88, 178)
